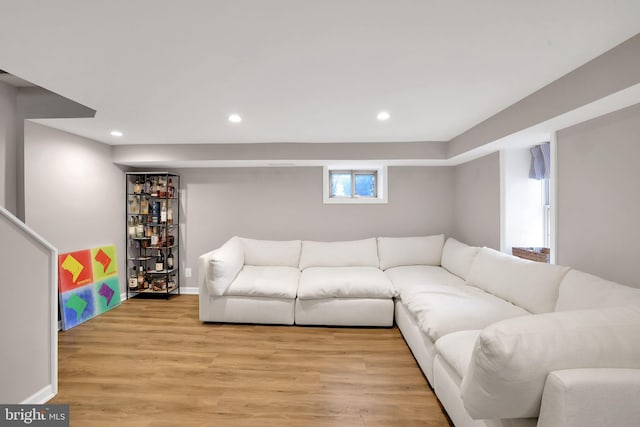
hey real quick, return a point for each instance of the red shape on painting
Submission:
(103, 259)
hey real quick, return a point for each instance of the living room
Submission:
(583, 97)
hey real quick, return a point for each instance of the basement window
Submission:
(346, 185)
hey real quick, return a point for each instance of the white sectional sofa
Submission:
(503, 341)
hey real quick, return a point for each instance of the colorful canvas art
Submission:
(88, 284)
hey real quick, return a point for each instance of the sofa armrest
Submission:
(512, 358)
(217, 269)
(591, 398)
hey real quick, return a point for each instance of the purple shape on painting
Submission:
(106, 292)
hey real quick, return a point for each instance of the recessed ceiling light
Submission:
(383, 115)
(116, 133)
(235, 118)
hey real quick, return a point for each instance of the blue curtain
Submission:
(540, 162)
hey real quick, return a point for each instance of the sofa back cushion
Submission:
(528, 284)
(580, 290)
(285, 253)
(355, 253)
(458, 257)
(512, 358)
(224, 265)
(400, 251)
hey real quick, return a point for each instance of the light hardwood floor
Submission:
(153, 363)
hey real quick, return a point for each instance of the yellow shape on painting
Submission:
(73, 266)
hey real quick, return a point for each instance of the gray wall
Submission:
(599, 197)
(8, 146)
(477, 202)
(25, 313)
(286, 203)
(74, 194)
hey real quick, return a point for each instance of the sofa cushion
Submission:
(456, 349)
(344, 282)
(271, 252)
(512, 358)
(355, 253)
(398, 251)
(531, 285)
(458, 257)
(580, 290)
(442, 310)
(224, 265)
(421, 276)
(263, 281)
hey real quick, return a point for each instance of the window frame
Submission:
(381, 185)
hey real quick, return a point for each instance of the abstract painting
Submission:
(88, 284)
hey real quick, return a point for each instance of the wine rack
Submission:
(153, 234)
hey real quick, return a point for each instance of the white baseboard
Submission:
(40, 397)
(187, 290)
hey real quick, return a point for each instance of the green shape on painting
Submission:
(77, 304)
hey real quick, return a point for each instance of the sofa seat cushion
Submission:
(580, 291)
(531, 285)
(421, 277)
(456, 349)
(344, 282)
(258, 281)
(446, 309)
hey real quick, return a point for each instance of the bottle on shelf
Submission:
(162, 188)
(137, 187)
(171, 190)
(155, 212)
(131, 226)
(133, 280)
(170, 260)
(154, 237)
(169, 213)
(160, 261)
(147, 186)
(154, 187)
(135, 205)
(141, 278)
(163, 212)
(139, 228)
(144, 206)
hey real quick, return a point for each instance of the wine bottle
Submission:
(141, 277)
(137, 187)
(170, 260)
(139, 228)
(169, 213)
(163, 212)
(133, 280)
(170, 189)
(131, 226)
(155, 214)
(160, 261)
(135, 205)
(147, 186)
(144, 206)
(154, 237)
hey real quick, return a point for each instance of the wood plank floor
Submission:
(153, 363)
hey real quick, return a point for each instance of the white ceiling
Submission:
(300, 70)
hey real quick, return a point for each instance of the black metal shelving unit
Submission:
(153, 228)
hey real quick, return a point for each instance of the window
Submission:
(354, 185)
